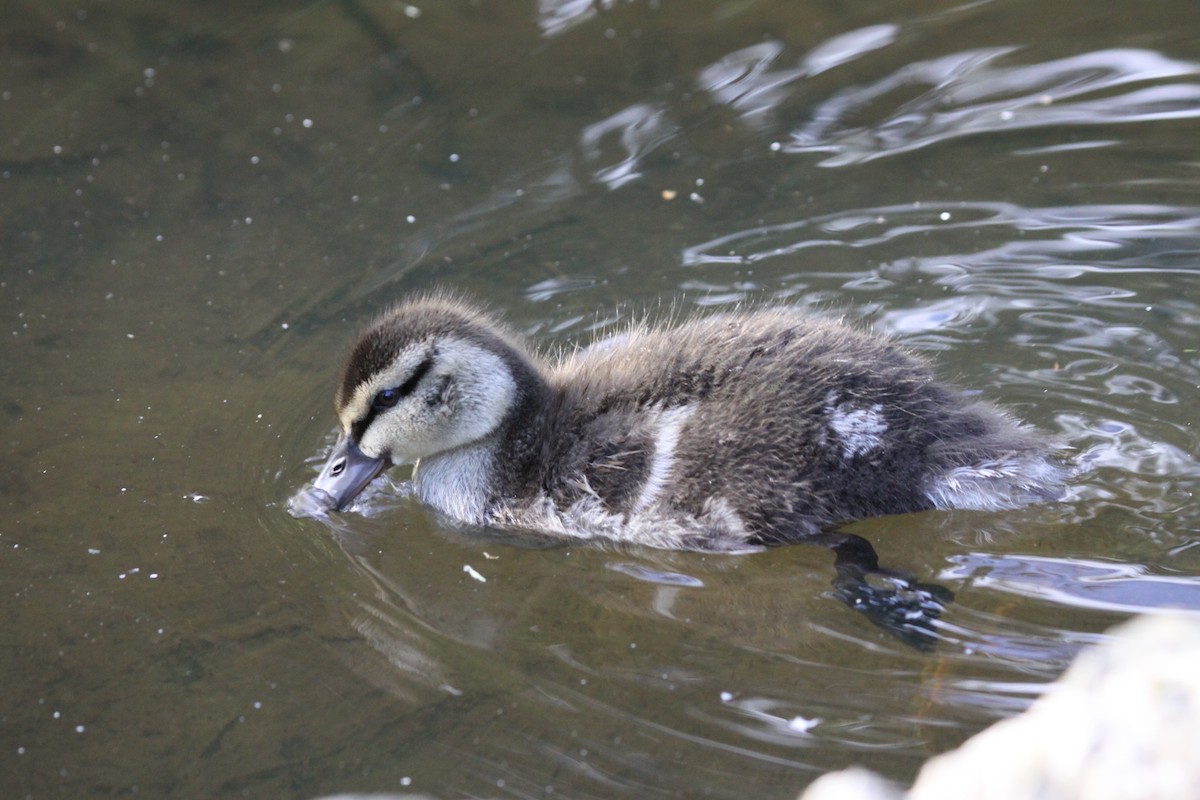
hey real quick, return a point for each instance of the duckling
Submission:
(727, 432)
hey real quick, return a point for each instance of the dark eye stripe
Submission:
(407, 387)
(389, 397)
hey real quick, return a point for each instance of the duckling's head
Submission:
(430, 376)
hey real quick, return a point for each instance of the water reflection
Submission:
(975, 92)
(638, 130)
(1084, 583)
(668, 579)
(1063, 276)
(1046, 235)
(746, 81)
(555, 17)
(279, 657)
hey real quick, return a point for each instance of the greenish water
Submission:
(199, 204)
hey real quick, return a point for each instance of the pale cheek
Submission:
(387, 435)
(371, 445)
(409, 434)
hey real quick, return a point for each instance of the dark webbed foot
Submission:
(892, 599)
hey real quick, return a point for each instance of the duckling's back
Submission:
(767, 427)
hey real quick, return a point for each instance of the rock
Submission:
(855, 783)
(1122, 723)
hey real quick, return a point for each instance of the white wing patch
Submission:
(666, 439)
(859, 429)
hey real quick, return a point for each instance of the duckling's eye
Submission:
(389, 397)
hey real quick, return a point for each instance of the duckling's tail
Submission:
(1008, 466)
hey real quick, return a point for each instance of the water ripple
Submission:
(638, 130)
(559, 16)
(970, 92)
(1061, 230)
(747, 81)
(1092, 584)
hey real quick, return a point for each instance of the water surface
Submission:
(198, 207)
